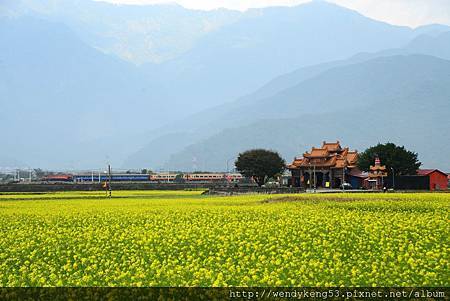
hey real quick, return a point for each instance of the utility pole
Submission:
(109, 180)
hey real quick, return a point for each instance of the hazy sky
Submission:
(402, 12)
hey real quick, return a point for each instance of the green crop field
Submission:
(182, 238)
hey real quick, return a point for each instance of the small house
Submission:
(438, 180)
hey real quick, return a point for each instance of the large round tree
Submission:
(403, 161)
(259, 164)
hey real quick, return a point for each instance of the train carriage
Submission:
(114, 178)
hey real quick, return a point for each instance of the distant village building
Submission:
(438, 180)
(424, 179)
(377, 175)
(326, 167)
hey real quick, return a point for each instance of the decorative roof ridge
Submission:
(325, 142)
(378, 166)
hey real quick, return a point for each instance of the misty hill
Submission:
(222, 48)
(234, 114)
(402, 99)
(173, 137)
(151, 33)
(432, 29)
(227, 54)
(137, 33)
(56, 92)
(437, 45)
(237, 59)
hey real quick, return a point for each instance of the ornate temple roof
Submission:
(377, 170)
(316, 153)
(377, 167)
(330, 155)
(331, 146)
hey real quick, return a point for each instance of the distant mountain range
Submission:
(233, 52)
(136, 33)
(237, 59)
(362, 81)
(359, 104)
(73, 97)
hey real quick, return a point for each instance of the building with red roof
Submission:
(438, 180)
(328, 166)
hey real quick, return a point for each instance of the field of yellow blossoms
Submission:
(187, 239)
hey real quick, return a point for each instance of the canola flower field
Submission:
(182, 238)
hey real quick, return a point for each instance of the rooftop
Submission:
(330, 155)
(426, 172)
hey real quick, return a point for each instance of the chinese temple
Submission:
(325, 167)
(377, 174)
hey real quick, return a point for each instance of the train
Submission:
(155, 178)
(57, 178)
(114, 178)
(197, 177)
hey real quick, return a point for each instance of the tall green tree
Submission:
(260, 164)
(403, 161)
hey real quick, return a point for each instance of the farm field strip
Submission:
(182, 238)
